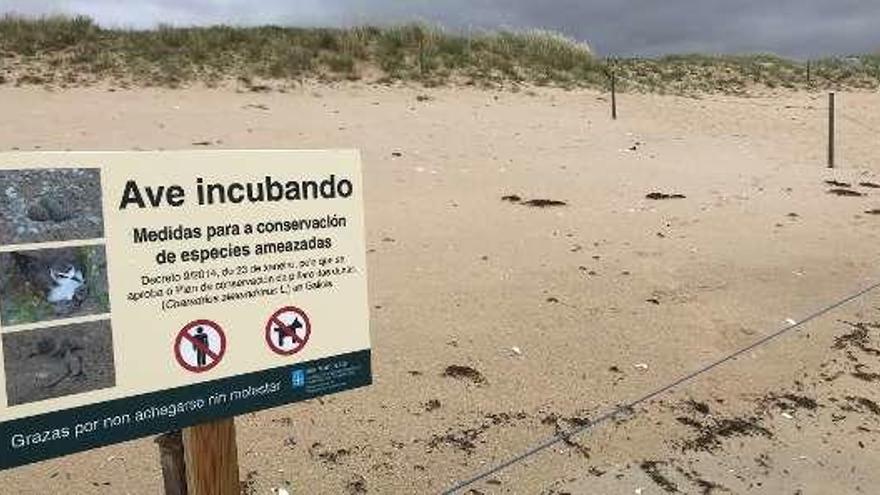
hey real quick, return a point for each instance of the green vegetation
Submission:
(94, 263)
(739, 73)
(23, 307)
(75, 51)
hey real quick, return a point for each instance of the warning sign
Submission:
(288, 330)
(200, 346)
(162, 278)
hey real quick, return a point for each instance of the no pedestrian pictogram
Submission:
(200, 346)
(288, 330)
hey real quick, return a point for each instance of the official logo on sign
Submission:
(298, 378)
(200, 346)
(288, 330)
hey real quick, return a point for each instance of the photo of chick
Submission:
(58, 361)
(49, 284)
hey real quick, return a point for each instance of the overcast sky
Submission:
(796, 28)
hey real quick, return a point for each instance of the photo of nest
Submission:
(49, 284)
(58, 361)
(40, 205)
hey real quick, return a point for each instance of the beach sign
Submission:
(147, 292)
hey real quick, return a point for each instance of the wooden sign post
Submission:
(203, 459)
(211, 458)
(173, 464)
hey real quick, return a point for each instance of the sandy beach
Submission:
(497, 323)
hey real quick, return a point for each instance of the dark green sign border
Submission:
(116, 419)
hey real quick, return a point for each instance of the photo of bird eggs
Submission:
(51, 204)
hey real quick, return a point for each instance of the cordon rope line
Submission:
(859, 122)
(741, 101)
(628, 407)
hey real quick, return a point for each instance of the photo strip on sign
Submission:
(166, 289)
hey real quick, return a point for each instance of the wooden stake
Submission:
(173, 465)
(809, 68)
(831, 130)
(422, 65)
(421, 56)
(211, 458)
(613, 97)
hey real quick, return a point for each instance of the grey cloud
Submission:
(614, 27)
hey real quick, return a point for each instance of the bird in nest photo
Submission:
(57, 276)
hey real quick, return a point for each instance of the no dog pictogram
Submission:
(288, 330)
(200, 346)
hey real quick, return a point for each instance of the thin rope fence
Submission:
(830, 109)
(741, 100)
(859, 122)
(629, 408)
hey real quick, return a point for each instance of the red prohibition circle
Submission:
(275, 320)
(184, 334)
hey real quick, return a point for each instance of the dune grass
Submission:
(739, 73)
(75, 51)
